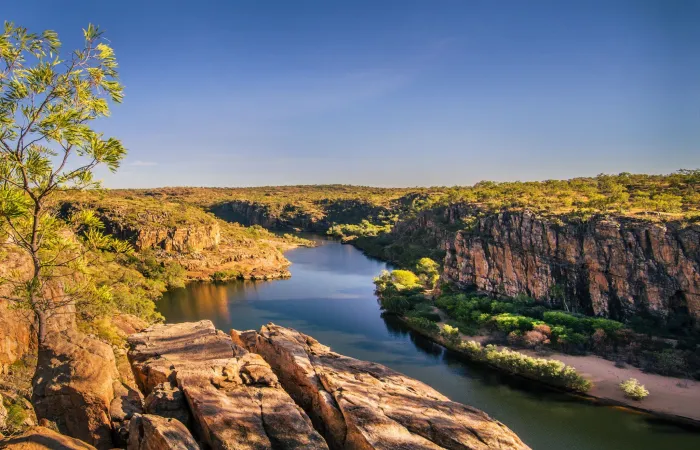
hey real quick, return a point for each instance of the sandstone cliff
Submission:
(233, 395)
(362, 405)
(287, 391)
(606, 266)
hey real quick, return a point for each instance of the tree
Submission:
(47, 145)
(427, 269)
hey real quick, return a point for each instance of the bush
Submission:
(404, 279)
(549, 371)
(508, 322)
(423, 324)
(633, 389)
(450, 333)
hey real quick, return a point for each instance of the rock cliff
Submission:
(362, 405)
(179, 239)
(605, 266)
(74, 386)
(233, 395)
(287, 391)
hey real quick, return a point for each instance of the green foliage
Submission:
(450, 333)
(428, 272)
(404, 279)
(47, 145)
(546, 370)
(423, 324)
(633, 389)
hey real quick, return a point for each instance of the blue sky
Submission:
(393, 93)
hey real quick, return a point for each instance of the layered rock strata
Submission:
(608, 267)
(362, 405)
(234, 397)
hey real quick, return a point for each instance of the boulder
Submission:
(363, 405)
(168, 401)
(126, 403)
(150, 432)
(41, 438)
(74, 386)
(235, 398)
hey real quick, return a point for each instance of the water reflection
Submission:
(330, 296)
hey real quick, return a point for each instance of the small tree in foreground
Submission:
(47, 145)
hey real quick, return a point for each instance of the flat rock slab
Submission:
(234, 396)
(363, 405)
(41, 438)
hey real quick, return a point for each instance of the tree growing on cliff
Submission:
(48, 145)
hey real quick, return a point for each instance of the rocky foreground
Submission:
(273, 389)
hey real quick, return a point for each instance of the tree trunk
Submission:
(42, 319)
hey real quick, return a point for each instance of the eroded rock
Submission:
(74, 386)
(235, 398)
(168, 401)
(126, 403)
(40, 438)
(608, 267)
(362, 405)
(150, 432)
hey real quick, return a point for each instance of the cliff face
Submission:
(608, 267)
(280, 389)
(179, 239)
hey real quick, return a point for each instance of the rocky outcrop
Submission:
(608, 267)
(17, 325)
(362, 405)
(74, 386)
(234, 397)
(180, 239)
(149, 432)
(42, 438)
(167, 400)
(127, 403)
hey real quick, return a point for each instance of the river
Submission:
(330, 297)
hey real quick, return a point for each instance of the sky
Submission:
(392, 93)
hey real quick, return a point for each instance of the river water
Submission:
(330, 297)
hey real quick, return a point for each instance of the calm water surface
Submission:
(330, 297)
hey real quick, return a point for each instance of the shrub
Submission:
(534, 339)
(404, 279)
(395, 304)
(450, 333)
(423, 324)
(508, 322)
(633, 389)
(549, 371)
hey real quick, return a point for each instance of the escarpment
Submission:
(609, 267)
(362, 405)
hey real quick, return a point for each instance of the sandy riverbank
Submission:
(673, 398)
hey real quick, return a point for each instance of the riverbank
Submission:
(672, 399)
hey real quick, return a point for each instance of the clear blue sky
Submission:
(393, 93)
